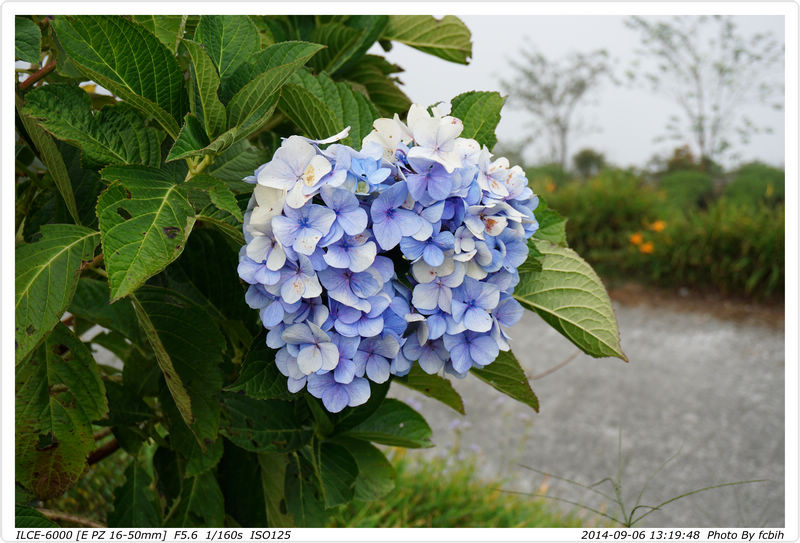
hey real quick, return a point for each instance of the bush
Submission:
(756, 183)
(688, 188)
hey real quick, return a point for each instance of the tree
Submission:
(588, 162)
(552, 91)
(710, 69)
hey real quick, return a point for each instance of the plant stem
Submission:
(37, 75)
(198, 169)
(100, 434)
(66, 517)
(102, 451)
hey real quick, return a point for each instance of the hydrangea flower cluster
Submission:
(364, 262)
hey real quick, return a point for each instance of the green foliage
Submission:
(437, 493)
(480, 112)
(756, 184)
(627, 228)
(47, 274)
(27, 40)
(129, 216)
(687, 188)
(506, 375)
(58, 394)
(569, 295)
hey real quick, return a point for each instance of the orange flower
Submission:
(646, 248)
(636, 238)
(550, 187)
(658, 226)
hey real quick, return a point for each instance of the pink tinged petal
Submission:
(297, 198)
(306, 241)
(311, 285)
(310, 359)
(358, 391)
(292, 289)
(378, 369)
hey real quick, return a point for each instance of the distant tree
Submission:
(552, 91)
(710, 69)
(588, 162)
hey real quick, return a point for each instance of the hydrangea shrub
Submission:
(260, 233)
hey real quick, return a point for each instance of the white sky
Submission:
(629, 118)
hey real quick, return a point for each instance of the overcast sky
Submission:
(629, 118)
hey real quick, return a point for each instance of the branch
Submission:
(102, 451)
(66, 517)
(37, 75)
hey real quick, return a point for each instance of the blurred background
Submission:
(662, 140)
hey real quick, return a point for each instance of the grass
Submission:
(436, 494)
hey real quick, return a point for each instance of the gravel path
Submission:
(712, 388)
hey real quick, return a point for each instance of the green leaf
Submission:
(571, 298)
(28, 517)
(58, 393)
(197, 460)
(383, 90)
(433, 386)
(135, 502)
(206, 81)
(167, 28)
(265, 425)
(114, 135)
(139, 68)
(338, 472)
(201, 504)
(145, 221)
(447, 38)
(345, 44)
(231, 232)
(228, 39)
(273, 480)
(50, 155)
(260, 377)
(46, 274)
(192, 140)
(237, 162)
(304, 500)
(396, 424)
(552, 226)
(27, 40)
(376, 476)
(506, 375)
(219, 193)
(480, 112)
(248, 107)
(321, 108)
(91, 303)
(188, 346)
(241, 480)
